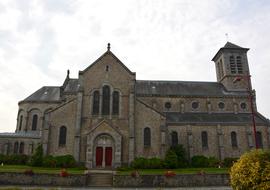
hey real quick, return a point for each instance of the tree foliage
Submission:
(251, 171)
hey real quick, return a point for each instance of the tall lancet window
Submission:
(95, 110)
(115, 109)
(174, 137)
(239, 64)
(204, 139)
(232, 65)
(147, 137)
(34, 122)
(106, 100)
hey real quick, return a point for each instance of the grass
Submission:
(177, 171)
(22, 168)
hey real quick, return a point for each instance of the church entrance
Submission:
(104, 151)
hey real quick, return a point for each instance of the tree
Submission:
(37, 158)
(251, 171)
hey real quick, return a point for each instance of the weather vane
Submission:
(227, 36)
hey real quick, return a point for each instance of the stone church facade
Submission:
(106, 117)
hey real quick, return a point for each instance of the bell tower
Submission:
(232, 68)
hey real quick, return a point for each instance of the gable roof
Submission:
(44, 94)
(228, 46)
(183, 88)
(214, 118)
(108, 52)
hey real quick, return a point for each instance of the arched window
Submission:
(20, 124)
(204, 139)
(21, 150)
(259, 139)
(115, 110)
(62, 136)
(239, 65)
(174, 138)
(34, 122)
(232, 65)
(234, 139)
(147, 136)
(16, 147)
(96, 103)
(106, 100)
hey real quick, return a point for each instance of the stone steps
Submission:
(100, 180)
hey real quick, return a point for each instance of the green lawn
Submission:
(177, 171)
(22, 168)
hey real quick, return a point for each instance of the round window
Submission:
(221, 105)
(243, 105)
(195, 105)
(168, 105)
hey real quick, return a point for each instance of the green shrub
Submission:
(16, 159)
(37, 158)
(181, 156)
(251, 171)
(154, 163)
(213, 162)
(65, 161)
(139, 163)
(171, 160)
(49, 161)
(199, 161)
(228, 162)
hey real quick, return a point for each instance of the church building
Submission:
(106, 117)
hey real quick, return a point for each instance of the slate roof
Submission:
(72, 86)
(230, 45)
(44, 94)
(227, 46)
(21, 134)
(214, 118)
(182, 88)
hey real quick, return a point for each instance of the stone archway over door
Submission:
(104, 146)
(103, 151)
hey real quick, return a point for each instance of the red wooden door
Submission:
(108, 156)
(99, 156)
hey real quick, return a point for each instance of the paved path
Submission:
(95, 188)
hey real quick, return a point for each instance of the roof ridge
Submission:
(178, 81)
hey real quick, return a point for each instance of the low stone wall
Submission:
(183, 180)
(42, 179)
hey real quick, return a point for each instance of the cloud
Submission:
(172, 40)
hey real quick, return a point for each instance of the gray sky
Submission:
(157, 39)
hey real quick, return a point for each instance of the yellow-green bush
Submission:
(251, 171)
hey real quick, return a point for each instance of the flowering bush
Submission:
(28, 172)
(169, 173)
(251, 171)
(64, 173)
(135, 174)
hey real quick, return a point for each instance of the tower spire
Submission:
(109, 47)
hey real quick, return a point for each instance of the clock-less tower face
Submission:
(232, 68)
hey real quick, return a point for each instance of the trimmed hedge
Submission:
(14, 159)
